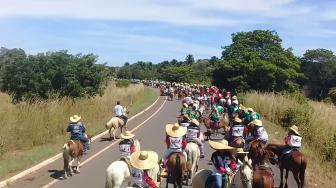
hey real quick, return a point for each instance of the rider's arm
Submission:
(184, 143)
(217, 161)
(167, 141)
(69, 128)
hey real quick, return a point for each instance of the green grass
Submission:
(14, 160)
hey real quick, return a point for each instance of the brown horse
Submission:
(177, 170)
(223, 123)
(72, 150)
(262, 172)
(295, 162)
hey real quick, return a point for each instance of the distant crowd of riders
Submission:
(231, 141)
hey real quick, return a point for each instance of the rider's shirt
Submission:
(76, 130)
(223, 162)
(193, 131)
(126, 147)
(176, 143)
(260, 133)
(118, 110)
(138, 177)
(293, 140)
(237, 130)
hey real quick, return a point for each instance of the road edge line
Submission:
(57, 156)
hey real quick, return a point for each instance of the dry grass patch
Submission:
(32, 132)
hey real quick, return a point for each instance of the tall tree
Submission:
(319, 65)
(189, 60)
(256, 60)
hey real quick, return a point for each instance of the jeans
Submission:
(84, 140)
(124, 118)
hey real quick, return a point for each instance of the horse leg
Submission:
(78, 165)
(297, 179)
(281, 177)
(286, 184)
(110, 133)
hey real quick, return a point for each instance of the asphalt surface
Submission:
(152, 134)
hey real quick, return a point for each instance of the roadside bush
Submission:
(122, 83)
(332, 95)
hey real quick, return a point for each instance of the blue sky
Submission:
(156, 30)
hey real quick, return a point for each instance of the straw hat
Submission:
(241, 151)
(256, 122)
(75, 118)
(234, 97)
(185, 116)
(250, 109)
(220, 145)
(237, 119)
(127, 135)
(144, 160)
(194, 121)
(295, 129)
(175, 130)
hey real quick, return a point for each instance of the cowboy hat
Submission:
(250, 109)
(185, 116)
(175, 130)
(256, 122)
(195, 122)
(75, 118)
(234, 97)
(127, 135)
(237, 119)
(295, 129)
(144, 160)
(220, 145)
(241, 151)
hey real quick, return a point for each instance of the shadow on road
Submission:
(56, 174)
(107, 139)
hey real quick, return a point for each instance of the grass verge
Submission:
(315, 121)
(28, 152)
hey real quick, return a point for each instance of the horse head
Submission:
(125, 110)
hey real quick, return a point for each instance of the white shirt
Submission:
(295, 141)
(118, 110)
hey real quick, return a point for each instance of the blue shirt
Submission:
(76, 130)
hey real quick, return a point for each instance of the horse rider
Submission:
(258, 132)
(185, 120)
(77, 131)
(126, 146)
(193, 135)
(193, 114)
(292, 141)
(175, 140)
(252, 115)
(237, 130)
(234, 108)
(141, 162)
(214, 116)
(224, 162)
(119, 111)
(185, 109)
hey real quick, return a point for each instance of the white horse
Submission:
(116, 123)
(118, 171)
(193, 153)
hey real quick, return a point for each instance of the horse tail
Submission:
(66, 157)
(302, 170)
(178, 169)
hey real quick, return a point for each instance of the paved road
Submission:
(152, 134)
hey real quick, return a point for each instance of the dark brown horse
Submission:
(262, 172)
(177, 170)
(295, 162)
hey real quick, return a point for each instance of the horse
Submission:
(294, 161)
(115, 123)
(72, 150)
(246, 172)
(177, 170)
(193, 153)
(119, 171)
(223, 123)
(262, 172)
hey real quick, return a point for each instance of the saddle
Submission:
(285, 154)
(123, 120)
